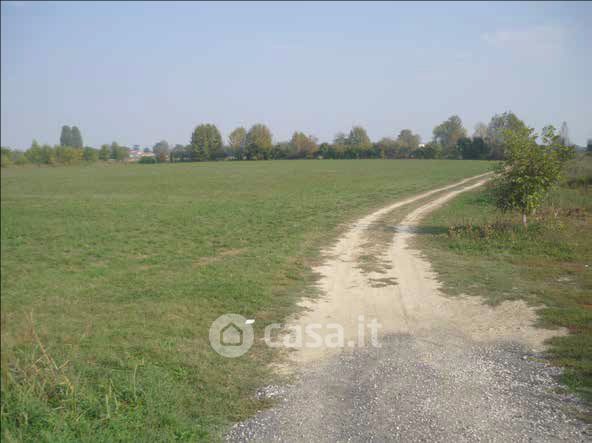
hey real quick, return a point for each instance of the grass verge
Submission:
(478, 251)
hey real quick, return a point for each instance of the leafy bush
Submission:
(147, 160)
(5, 159)
(578, 172)
(12, 157)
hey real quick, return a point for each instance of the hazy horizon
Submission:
(137, 73)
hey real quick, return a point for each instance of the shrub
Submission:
(578, 172)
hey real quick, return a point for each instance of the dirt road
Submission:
(447, 369)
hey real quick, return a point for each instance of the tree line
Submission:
(450, 140)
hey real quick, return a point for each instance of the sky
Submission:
(137, 73)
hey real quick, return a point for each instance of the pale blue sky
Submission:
(141, 72)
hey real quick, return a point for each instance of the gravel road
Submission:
(447, 369)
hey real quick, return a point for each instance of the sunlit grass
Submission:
(478, 251)
(111, 277)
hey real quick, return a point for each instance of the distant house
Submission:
(137, 153)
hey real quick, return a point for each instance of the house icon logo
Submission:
(231, 335)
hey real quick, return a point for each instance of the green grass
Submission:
(111, 276)
(477, 251)
(578, 172)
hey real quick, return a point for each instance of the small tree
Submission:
(119, 153)
(105, 153)
(258, 142)
(326, 150)
(161, 151)
(48, 155)
(237, 141)
(179, 153)
(67, 155)
(530, 170)
(35, 153)
(447, 134)
(5, 157)
(122, 153)
(90, 154)
(429, 150)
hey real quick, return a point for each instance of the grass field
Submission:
(477, 251)
(111, 276)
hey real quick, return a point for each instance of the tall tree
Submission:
(180, 153)
(407, 143)
(303, 146)
(258, 142)
(480, 131)
(326, 150)
(114, 148)
(76, 138)
(497, 130)
(465, 147)
(340, 139)
(448, 133)
(105, 152)
(473, 149)
(358, 138)
(339, 145)
(408, 139)
(206, 143)
(161, 151)
(388, 148)
(281, 150)
(66, 136)
(237, 141)
(358, 144)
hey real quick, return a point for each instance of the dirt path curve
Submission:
(447, 369)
